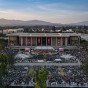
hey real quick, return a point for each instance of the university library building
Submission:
(43, 39)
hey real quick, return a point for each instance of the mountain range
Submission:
(5, 22)
(81, 23)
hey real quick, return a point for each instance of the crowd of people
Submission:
(80, 54)
(55, 57)
(58, 75)
(8, 51)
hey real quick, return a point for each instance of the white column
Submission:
(65, 41)
(36, 40)
(51, 41)
(26, 40)
(61, 41)
(46, 41)
(56, 41)
(31, 41)
(21, 41)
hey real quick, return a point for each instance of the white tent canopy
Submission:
(44, 48)
(67, 56)
(23, 56)
(40, 61)
(58, 60)
(61, 49)
(27, 49)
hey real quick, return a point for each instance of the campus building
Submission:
(43, 39)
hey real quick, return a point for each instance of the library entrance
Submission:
(43, 41)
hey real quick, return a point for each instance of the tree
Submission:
(84, 44)
(3, 43)
(3, 69)
(41, 77)
(11, 60)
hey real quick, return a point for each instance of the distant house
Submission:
(68, 31)
(84, 37)
(8, 31)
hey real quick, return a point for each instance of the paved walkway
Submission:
(32, 47)
(47, 64)
(56, 86)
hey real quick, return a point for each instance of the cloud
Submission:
(53, 12)
(12, 14)
(61, 17)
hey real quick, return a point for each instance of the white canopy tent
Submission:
(67, 56)
(40, 61)
(58, 60)
(61, 49)
(23, 56)
(27, 49)
(43, 48)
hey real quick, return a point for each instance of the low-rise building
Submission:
(43, 39)
(8, 31)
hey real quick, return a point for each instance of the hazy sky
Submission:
(61, 11)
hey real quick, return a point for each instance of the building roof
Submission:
(43, 34)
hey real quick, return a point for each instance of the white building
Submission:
(8, 31)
